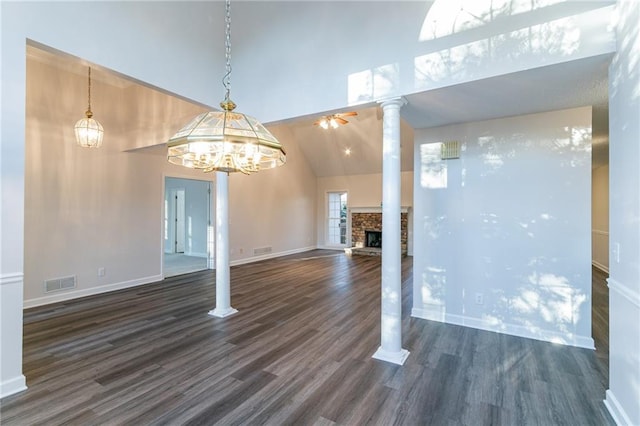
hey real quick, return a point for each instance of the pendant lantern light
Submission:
(89, 132)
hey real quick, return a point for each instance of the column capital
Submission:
(399, 102)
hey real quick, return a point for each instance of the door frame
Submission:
(166, 207)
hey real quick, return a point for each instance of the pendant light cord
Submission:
(226, 80)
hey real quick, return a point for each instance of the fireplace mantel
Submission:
(403, 209)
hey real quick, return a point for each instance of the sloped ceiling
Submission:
(325, 150)
(567, 85)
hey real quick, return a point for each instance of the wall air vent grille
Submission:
(58, 284)
(450, 150)
(262, 250)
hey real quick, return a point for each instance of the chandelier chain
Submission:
(227, 52)
(89, 92)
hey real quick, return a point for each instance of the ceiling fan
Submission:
(334, 120)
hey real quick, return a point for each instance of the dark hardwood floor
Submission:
(600, 315)
(297, 353)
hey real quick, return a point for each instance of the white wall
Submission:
(600, 217)
(509, 220)
(362, 191)
(393, 54)
(623, 396)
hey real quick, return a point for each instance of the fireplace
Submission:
(369, 219)
(373, 239)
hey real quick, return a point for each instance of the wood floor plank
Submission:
(298, 352)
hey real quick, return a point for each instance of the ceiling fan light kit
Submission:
(334, 120)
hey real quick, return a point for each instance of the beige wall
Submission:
(274, 208)
(600, 217)
(87, 209)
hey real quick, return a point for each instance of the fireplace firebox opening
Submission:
(373, 239)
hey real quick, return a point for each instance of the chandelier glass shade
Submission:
(89, 132)
(225, 141)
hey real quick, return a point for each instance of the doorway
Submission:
(187, 245)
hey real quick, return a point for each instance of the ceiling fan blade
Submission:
(341, 120)
(346, 114)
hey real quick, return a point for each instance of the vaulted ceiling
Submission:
(570, 84)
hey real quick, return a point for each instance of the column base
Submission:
(394, 357)
(221, 313)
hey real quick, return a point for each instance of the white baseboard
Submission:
(438, 314)
(197, 254)
(269, 256)
(616, 410)
(61, 297)
(600, 266)
(336, 248)
(11, 386)
(11, 296)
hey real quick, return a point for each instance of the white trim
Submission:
(394, 357)
(11, 386)
(620, 416)
(61, 297)
(600, 266)
(197, 254)
(269, 256)
(599, 232)
(338, 248)
(220, 313)
(624, 291)
(437, 314)
(14, 278)
(18, 383)
(352, 210)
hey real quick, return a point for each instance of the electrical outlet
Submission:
(101, 272)
(479, 299)
(615, 251)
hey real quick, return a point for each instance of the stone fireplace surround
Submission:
(370, 219)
